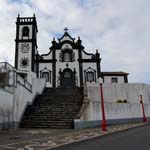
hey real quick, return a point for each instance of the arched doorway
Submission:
(67, 78)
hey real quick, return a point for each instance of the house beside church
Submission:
(66, 64)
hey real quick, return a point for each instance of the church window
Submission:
(90, 76)
(46, 76)
(114, 80)
(67, 57)
(25, 31)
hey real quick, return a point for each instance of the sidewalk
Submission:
(44, 139)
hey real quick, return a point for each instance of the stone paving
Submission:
(49, 139)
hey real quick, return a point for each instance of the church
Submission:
(60, 89)
(66, 63)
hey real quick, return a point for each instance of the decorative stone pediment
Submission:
(66, 37)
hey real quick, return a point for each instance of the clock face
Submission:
(25, 47)
(24, 62)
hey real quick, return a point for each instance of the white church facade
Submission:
(66, 63)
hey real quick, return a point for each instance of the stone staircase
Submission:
(55, 108)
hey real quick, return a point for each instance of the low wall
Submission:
(13, 105)
(114, 92)
(6, 109)
(38, 86)
(115, 112)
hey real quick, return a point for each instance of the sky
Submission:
(119, 29)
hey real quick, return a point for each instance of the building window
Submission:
(25, 31)
(114, 80)
(67, 57)
(46, 76)
(90, 76)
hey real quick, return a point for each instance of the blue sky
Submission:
(119, 29)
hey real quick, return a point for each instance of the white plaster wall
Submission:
(107, 79)
(115, 110)
(71, 65)
(24, 55)
(6, 106)
(114, 92)
(66, 38)
(38, 86)
(85, 56)
(49, 56)
(23, 96)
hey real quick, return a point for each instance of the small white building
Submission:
(66, 63)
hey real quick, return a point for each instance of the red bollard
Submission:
(103, 125)
(141, 101)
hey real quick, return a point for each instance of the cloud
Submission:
(119, 29)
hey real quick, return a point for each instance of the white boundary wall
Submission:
(6, 103)
(23, 97)
(115, 110)
(16, 102)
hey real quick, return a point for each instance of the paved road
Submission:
(132, 139)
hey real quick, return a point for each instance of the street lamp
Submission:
(141, 101)
(103, 125)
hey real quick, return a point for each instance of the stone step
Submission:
(55, 108)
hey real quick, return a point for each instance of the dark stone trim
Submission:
(49, 74)
(30, 90)
(16, 46)
(54, 68)
(46, 53)
(89, 60)
(46, 60)
(88, 53)
(113, 75)
(27, 21)
(37, 64)
(80, 68)
(98, 68)
(33, 50)
(126, 79)
(86, 71)
(66, 34)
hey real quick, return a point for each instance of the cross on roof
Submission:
(66, 29)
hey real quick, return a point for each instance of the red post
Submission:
(141, 101)
(103, 125)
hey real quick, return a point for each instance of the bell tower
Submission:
(26, 44)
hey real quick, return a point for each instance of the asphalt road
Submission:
(132, 139)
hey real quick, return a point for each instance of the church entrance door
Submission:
(68, 78)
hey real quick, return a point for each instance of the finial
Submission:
(53, 38)
(96, 50)
(78, 37)
(66, 29)
(34, 15)
(18, 15)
